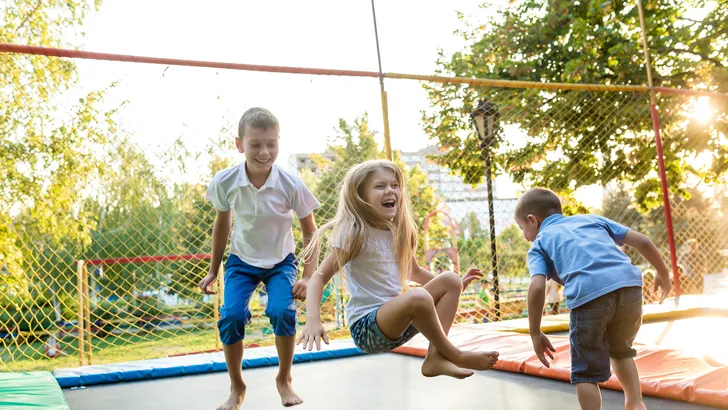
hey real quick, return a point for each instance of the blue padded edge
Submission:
(192, 364)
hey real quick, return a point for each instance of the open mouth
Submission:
(389, 203)
(263, 162)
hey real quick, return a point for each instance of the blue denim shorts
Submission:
(241, 279)
(603, 328)
(369, 337)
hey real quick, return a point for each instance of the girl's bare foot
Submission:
(237, 395)
(477, 360)
(436, 365)
(288, 396)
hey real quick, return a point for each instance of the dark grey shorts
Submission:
(604, 328)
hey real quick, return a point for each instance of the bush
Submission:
(28, 320)
(146, 306)
(69, 307)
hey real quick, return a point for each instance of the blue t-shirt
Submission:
(580, 252)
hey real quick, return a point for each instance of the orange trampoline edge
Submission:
(683, 390)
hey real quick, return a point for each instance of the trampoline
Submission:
(682, 360)
(386, 381)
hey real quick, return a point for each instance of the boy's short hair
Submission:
(540, 202)
(256, 117)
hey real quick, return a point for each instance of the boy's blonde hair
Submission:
(256, 117)
(355, 220)
(540, 202)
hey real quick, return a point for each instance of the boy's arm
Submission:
(536, 298)
(308, 227)
(220, 234)
(649, 251)
(536, 301)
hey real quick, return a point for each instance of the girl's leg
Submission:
(417, 307)
(445, 289)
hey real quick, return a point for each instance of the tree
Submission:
(471, 224)
(695, 218)
(46, 160)
(577, 138)
(353, 144)
(512, 252)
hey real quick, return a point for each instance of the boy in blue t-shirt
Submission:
(602, 288)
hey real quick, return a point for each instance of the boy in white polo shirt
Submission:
(261, 198)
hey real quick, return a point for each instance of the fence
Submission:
(103, 254)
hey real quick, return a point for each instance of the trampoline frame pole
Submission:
(87, 300)
(660, 159)
(216, 305)
(81, 317)
(385, 105)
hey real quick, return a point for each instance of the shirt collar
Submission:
(550, 220)
(269, 183)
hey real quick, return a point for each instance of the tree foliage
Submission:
(355, 143)
(47, 160)
(578, 138)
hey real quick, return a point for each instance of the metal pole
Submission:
(81, 316)
(87, 298)
(660, 160)
(491, 220)
(385, 105)
(217, 301)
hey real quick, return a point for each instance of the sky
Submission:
(323, 34)
(162, 103)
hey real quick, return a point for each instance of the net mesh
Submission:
(107, 233)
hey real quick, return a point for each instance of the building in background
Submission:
(459, 199)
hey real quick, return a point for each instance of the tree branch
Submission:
(27, 17)
(695, 53)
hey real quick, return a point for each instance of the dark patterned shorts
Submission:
(369, 338)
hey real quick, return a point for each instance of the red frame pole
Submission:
(666, 199)
(660, 158)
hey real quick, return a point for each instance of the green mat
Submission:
(30, 390)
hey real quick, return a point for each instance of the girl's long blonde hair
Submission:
(355, 220)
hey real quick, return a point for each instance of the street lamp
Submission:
(485, 119)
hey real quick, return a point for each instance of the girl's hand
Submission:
(312, 334)
(472, 275)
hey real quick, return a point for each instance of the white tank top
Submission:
(372, 278)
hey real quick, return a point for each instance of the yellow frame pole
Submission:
(81, 316)
(216, 307)
(89, 347)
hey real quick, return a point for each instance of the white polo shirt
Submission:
(262, 218)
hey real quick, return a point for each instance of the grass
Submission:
(158, 343)
(128, 347)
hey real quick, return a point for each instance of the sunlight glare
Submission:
(702, 111)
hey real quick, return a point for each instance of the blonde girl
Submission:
(373, 237)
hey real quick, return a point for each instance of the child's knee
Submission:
(232, 324)
(420, 299)
(282, 318)
(452, 279)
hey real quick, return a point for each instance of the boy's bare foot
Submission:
(237, 395)
(477, 360)
(288, 396)
(635, 406)
(436, 365)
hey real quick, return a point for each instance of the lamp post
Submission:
(485, 118)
